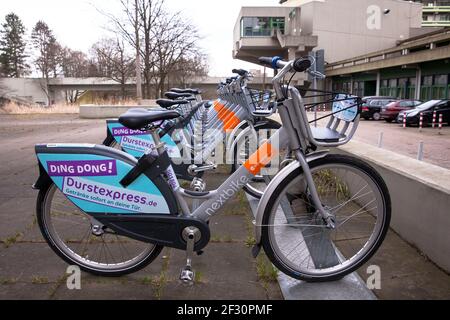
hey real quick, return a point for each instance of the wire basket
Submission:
(343, 111)
(261, 99)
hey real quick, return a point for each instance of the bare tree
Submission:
(175, 41)
(47, 54)
(114, 62)
(188, 68)
(162, 38)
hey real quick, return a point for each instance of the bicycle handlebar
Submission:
(299, 65)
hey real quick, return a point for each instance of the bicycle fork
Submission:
(327, 216)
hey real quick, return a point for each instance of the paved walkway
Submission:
(30, 270)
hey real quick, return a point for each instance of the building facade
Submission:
(372, 47)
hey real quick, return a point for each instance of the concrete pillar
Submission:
(418, 82)
(378, 83)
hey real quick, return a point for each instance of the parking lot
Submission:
(406, 140)
(30, 270)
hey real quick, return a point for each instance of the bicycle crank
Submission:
(191, 235)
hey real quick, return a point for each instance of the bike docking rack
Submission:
(342, 124)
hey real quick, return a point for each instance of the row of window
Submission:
(261, 26)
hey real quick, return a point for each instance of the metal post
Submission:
(138, 58)
(315, 88)
(434, 119)
(421, 122)
(380, 140)
(420, 152)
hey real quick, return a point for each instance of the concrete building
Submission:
(372, 47)
(342, 28)
(436, 13)
(30, 91)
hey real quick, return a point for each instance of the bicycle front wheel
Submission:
(296, 238)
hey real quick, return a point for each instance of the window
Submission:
(427, 81)
(440, 80)
(393, 83)
(261, 26)
(406, 104)
(402, 82)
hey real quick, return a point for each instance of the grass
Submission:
(6, 281)
(14, 108)
(160, 281)
(250, 241)
(12, 239)
(198, 277)
(39, 280)
(61, 108)
(265, 270)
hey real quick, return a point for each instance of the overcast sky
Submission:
(77, 23)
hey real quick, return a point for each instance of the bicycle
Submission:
(320, 218)
(239, 112)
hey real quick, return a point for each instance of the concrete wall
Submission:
(343, 30)
(420, 194)
(28, 90)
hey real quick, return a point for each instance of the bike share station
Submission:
(318, 218)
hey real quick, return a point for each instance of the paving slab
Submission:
(26, 291)
(28, 262)
(349, 288)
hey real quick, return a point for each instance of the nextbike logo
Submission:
(227, 195)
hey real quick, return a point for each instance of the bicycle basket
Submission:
(260, 98)
(343, 111)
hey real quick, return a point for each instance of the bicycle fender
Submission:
(277, 180)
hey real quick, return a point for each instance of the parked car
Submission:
(371, 106)
(427, 109)
(390, 112)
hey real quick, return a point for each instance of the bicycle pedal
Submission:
(187, 276)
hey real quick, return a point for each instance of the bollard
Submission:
(440, 123)
(404, 121)
(434, 119)
(421, 122)
(420, 152)
(380, 140)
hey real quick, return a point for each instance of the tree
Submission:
(175, 41)
(162, 38)
(12, 47)
(75, 64)
(48, 53)
(114, 62)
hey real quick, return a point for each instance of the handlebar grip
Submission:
(240, 72)
(302, 64)
(266, 61)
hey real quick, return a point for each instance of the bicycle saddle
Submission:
(137, 119)
(190, 91)
(173, 95)
(164, 103)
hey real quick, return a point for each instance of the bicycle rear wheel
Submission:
(297, 240)
(78, 239)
